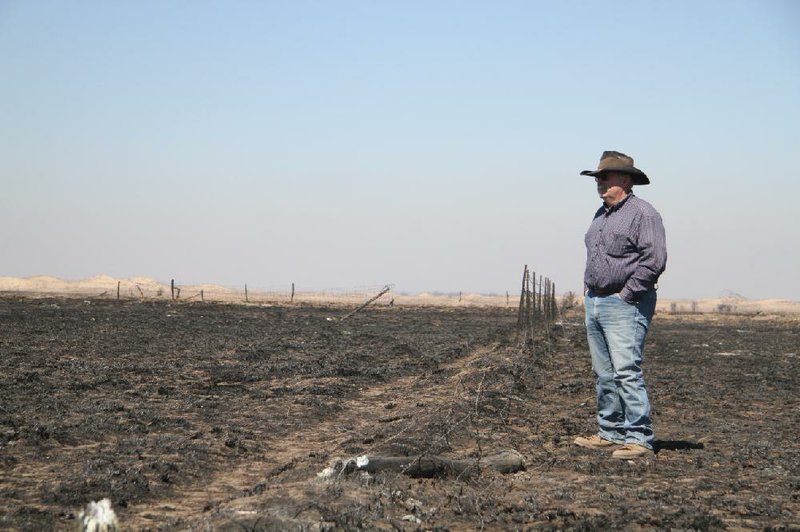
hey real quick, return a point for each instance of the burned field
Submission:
(198, 416)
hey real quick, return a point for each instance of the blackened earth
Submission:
(209, 417)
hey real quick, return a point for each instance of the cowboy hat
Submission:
(614, 161)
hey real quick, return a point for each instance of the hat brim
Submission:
(639, 177)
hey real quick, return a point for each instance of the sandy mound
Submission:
(93, 286)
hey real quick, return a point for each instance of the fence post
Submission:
(528, 301)
(531, 304)
(172, 288)
(118, 290)
(545, 300)
(522, 296)
(246, 300)
(291, 299)
(541, 295)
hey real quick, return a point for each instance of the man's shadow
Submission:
(676, 445)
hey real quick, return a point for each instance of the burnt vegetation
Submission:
(201, 416)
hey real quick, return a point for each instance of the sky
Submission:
(434, 146)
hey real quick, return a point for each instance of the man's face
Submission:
(612, 186)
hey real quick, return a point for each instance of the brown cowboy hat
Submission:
(614, 161)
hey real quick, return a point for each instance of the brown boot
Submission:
(595, 442)
(629, 451)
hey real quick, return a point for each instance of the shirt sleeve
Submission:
(652, 247)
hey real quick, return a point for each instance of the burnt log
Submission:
(435, 466)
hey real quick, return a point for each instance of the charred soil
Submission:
(213, 417)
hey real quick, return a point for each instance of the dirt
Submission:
(220, 417)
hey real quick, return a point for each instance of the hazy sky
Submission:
(434, 145)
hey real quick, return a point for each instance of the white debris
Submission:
(413, 505)
(98, 517)
(412, 518)
(341, 466)
(327, 473)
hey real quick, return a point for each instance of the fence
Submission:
(185, 291)
(181, 291)
(347, 296)
(538, 310)
(103, 287)
(143, 288)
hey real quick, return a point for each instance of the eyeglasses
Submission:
(607, 176)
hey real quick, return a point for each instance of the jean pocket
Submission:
(634, 304)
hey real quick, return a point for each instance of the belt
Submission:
(603, 292)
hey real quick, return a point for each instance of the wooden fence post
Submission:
(546, 300)
(245, 293)
(522, 297)
(541, 287)
(527, 326)
(291, 299)
(172, 288)
(118, 282)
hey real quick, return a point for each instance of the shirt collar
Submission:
(617, 206)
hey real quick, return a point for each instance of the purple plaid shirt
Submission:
(626, 249)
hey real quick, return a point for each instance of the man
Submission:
(626, 253)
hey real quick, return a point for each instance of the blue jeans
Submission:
(616, 331)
